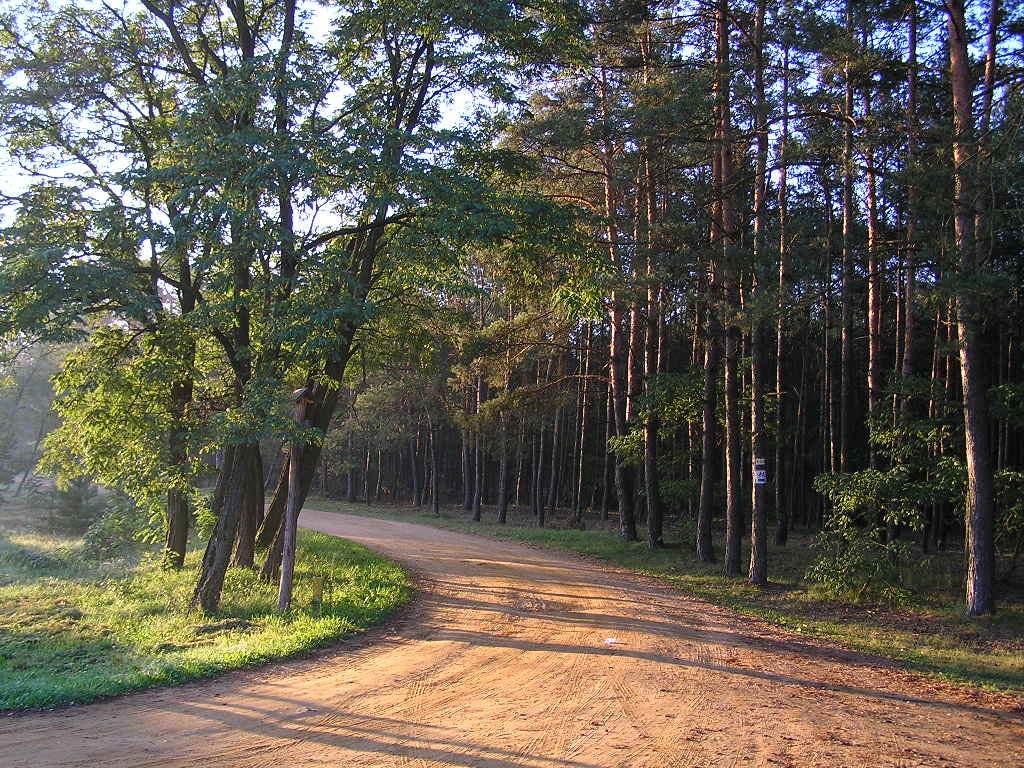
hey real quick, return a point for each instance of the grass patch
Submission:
(72, 630)
(929, 635)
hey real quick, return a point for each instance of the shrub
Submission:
(121, 525)
(74, 508)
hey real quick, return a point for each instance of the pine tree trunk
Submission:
(910, 282)
(758, 571)
(733, 510)
(350, 476)
(366, 475)
(556, 435)
(478, 477)
(781, 507)
(378, 485)
(979, 544)
(846, 287)
(538, 475)
(874, 318)
(435, 503)
(502, 500)
(723, 239)
(709, 447)
(581, 448)
(607, 468)
(652, 492)
(467, 483)
(520, 456)
(417, 491)
(623, 474)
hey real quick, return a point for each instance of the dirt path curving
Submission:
(513, 656)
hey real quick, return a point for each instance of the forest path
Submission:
(512, 656)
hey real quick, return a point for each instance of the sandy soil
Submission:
(512, 656)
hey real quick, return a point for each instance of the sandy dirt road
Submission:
(512, 656)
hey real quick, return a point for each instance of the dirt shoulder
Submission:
(512, 656)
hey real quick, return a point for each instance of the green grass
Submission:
(73, 631)
(930, 634)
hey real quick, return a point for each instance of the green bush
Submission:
(857, 556)
(858, 562)
(74, 508)
(123, 524)
(1009, 523)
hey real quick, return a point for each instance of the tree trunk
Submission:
(781, 508)
(206, 595)
(709, 447)
(520, 455)
(251, 514)
(733, 510)
(758, 571)
(289, 529)
(556, 445)
(874, 290)
(538, 475)
(176, 540)
(467, 484)
(435, 504)
(979, 544)
(581, 449)
(321, 402)
(623, 473)
(366, 474)
(910, 282)
(652, 492)
(722, 236)
(502, 500)
(350, 475)
(378, 485)
(846, 286)
(607, 468)
(478, 477)
(414, 467)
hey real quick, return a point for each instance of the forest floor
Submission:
(927, 631)
(521, 656)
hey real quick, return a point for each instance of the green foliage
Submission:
(72, 632)
(114, 397)
(1009, 523)
(857, 562)
(678, 399)
(628, 447)
(122, 525)
(203, 518)
(856, 552)
(75, 507)
(1008, 403)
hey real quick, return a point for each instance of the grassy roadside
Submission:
(929, 635)
(74, 630)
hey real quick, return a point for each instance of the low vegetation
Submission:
(74, 629)
(925, 630)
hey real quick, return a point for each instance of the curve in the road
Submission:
(513, 656)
